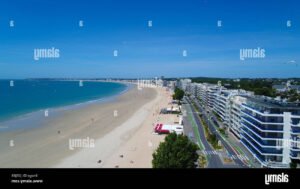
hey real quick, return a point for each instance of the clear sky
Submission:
(144, 51)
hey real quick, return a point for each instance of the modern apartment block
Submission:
(205, 92)
(172, 85)
(211, 95)
(270, 130)
(235, 115)
(192, 89)
(184, 84)
(221, 104)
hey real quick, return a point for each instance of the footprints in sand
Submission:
(122, 156)
(123, 159)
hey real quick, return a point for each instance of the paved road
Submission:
(254, 163)
(214, 161)
(218, 135)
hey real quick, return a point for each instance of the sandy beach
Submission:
(120, 133)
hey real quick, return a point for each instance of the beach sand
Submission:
(121, 130)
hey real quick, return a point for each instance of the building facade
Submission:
(270, 131)
(235, 115)
(268, 128)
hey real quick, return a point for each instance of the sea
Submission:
(22, 97)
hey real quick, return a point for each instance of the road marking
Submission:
(247, 158)
(242, 157)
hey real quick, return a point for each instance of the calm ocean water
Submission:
(32, 95)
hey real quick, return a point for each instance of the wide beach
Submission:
(120, 130)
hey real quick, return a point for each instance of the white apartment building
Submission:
(222, 104)
(184, 83)
(235, 114)
(270, 130)
(206, 93)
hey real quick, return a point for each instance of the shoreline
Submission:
(45, 147)
(90, 157)
(131, 144)
(7, 124)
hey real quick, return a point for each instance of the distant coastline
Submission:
(48, 144)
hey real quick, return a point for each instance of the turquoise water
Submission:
(32, 95)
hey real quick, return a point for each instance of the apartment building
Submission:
(207, 93)
(235, 114)
(184, 84)
(270, 130)
(221, 105)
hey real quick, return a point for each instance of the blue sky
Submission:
(121, 25)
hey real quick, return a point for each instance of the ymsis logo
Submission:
(81, 143)
(45, 53)
(276, 178)
(252, 53)
(149, 83)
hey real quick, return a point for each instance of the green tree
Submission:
(293, 164)
(178, 94)
(177, 151)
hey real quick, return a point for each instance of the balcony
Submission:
(261, 112)
(263, 143)
(295, 130)
(265, 151)
(263, 119)
(294, 155)
(262, 135)
(253, 151)
(261, 127)
(261, 158)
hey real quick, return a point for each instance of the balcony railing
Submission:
(261, 143)
(263, 128)
(260, 120)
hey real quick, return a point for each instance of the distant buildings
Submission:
(184, 83)
(286, 87)
(172, 85)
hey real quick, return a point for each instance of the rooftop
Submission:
(272, 103)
